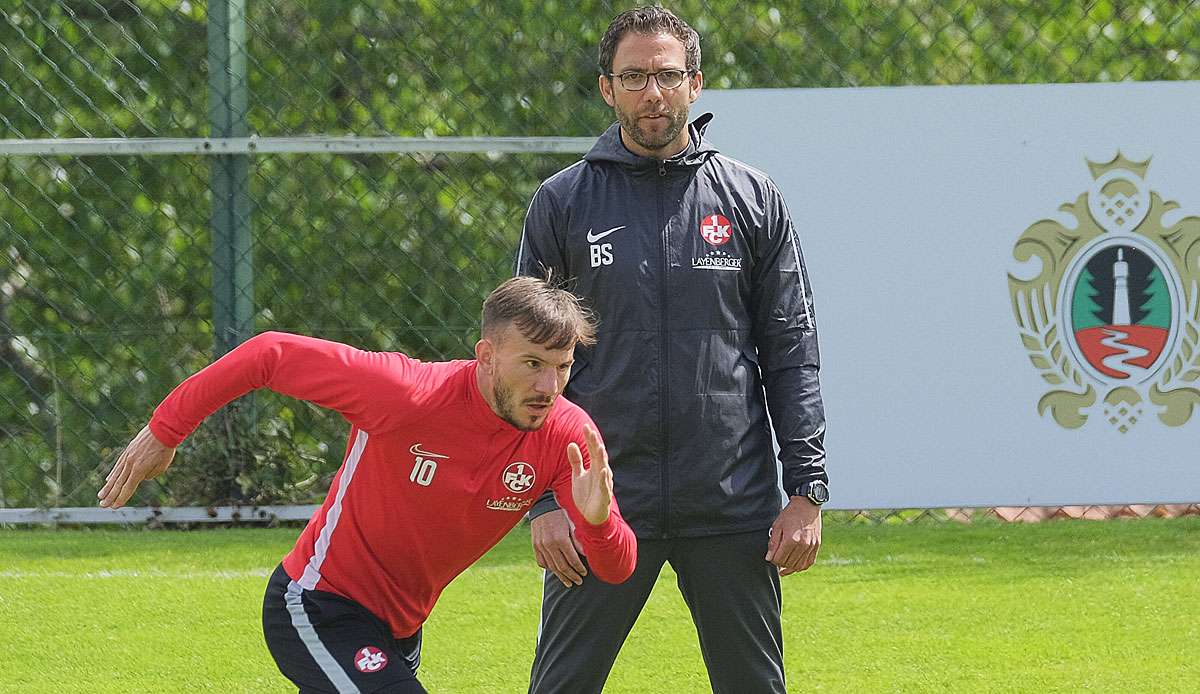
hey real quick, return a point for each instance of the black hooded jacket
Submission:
(695, 272)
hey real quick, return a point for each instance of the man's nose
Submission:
(547, 382)
(652, 92)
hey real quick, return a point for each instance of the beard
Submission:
(677, 121)
(506, 406)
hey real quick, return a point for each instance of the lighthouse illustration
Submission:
(1120, 290)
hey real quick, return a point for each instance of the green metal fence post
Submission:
(232, 266)
(233, 270)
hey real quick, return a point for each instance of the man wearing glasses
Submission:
(691, 262)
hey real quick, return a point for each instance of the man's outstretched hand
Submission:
(591, 488)
(143, 459)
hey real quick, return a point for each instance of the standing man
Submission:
(690, 260)
(442, 459)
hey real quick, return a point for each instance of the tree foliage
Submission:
(1085, 311)
(1157, 306)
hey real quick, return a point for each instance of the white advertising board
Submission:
(1007, 284)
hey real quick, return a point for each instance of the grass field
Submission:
(1058, 606)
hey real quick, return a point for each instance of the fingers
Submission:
(596, 450)
(558, 565)
(554, 547)
(114, 491)
(795, 554)
(566, 579)
(561, 559)
(773, 544)
(809, 556)
(567, 567)
(575, 457)
(115, 480)
(127, 488)
(144, 458)
(109, 480)
(787, 554)
(122, 482)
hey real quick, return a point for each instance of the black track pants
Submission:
(732, 592)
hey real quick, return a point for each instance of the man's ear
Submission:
(485, 352)
(606, 89)
(697, 86)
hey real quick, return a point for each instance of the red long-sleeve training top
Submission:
(432, 477)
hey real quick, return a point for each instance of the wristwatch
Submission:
(815, 491)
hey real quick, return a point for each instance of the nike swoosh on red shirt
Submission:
(416, 450)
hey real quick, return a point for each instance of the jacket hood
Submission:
(609, 147)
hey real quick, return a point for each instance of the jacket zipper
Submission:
(663, 347)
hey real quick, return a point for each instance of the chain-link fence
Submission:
(123, 272)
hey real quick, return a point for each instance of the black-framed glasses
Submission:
(637, 81)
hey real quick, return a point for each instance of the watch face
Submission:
(818, 492)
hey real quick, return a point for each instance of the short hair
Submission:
(545, 314)
(649, 21)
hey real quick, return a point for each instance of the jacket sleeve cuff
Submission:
(793, 479)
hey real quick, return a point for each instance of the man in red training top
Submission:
(443, 459)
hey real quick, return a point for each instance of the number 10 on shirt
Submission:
(422, 472)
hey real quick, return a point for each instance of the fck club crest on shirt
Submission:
(518, 477)
(715, 253)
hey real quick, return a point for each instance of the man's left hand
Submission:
(795, 536)
(591, 487)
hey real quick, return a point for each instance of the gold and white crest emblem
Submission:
(1109, 308)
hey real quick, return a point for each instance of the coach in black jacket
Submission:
(691, 262)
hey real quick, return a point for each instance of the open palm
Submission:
(591, 488)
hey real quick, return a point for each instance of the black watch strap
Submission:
(815, 491)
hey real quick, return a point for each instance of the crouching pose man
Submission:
(443, 459)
